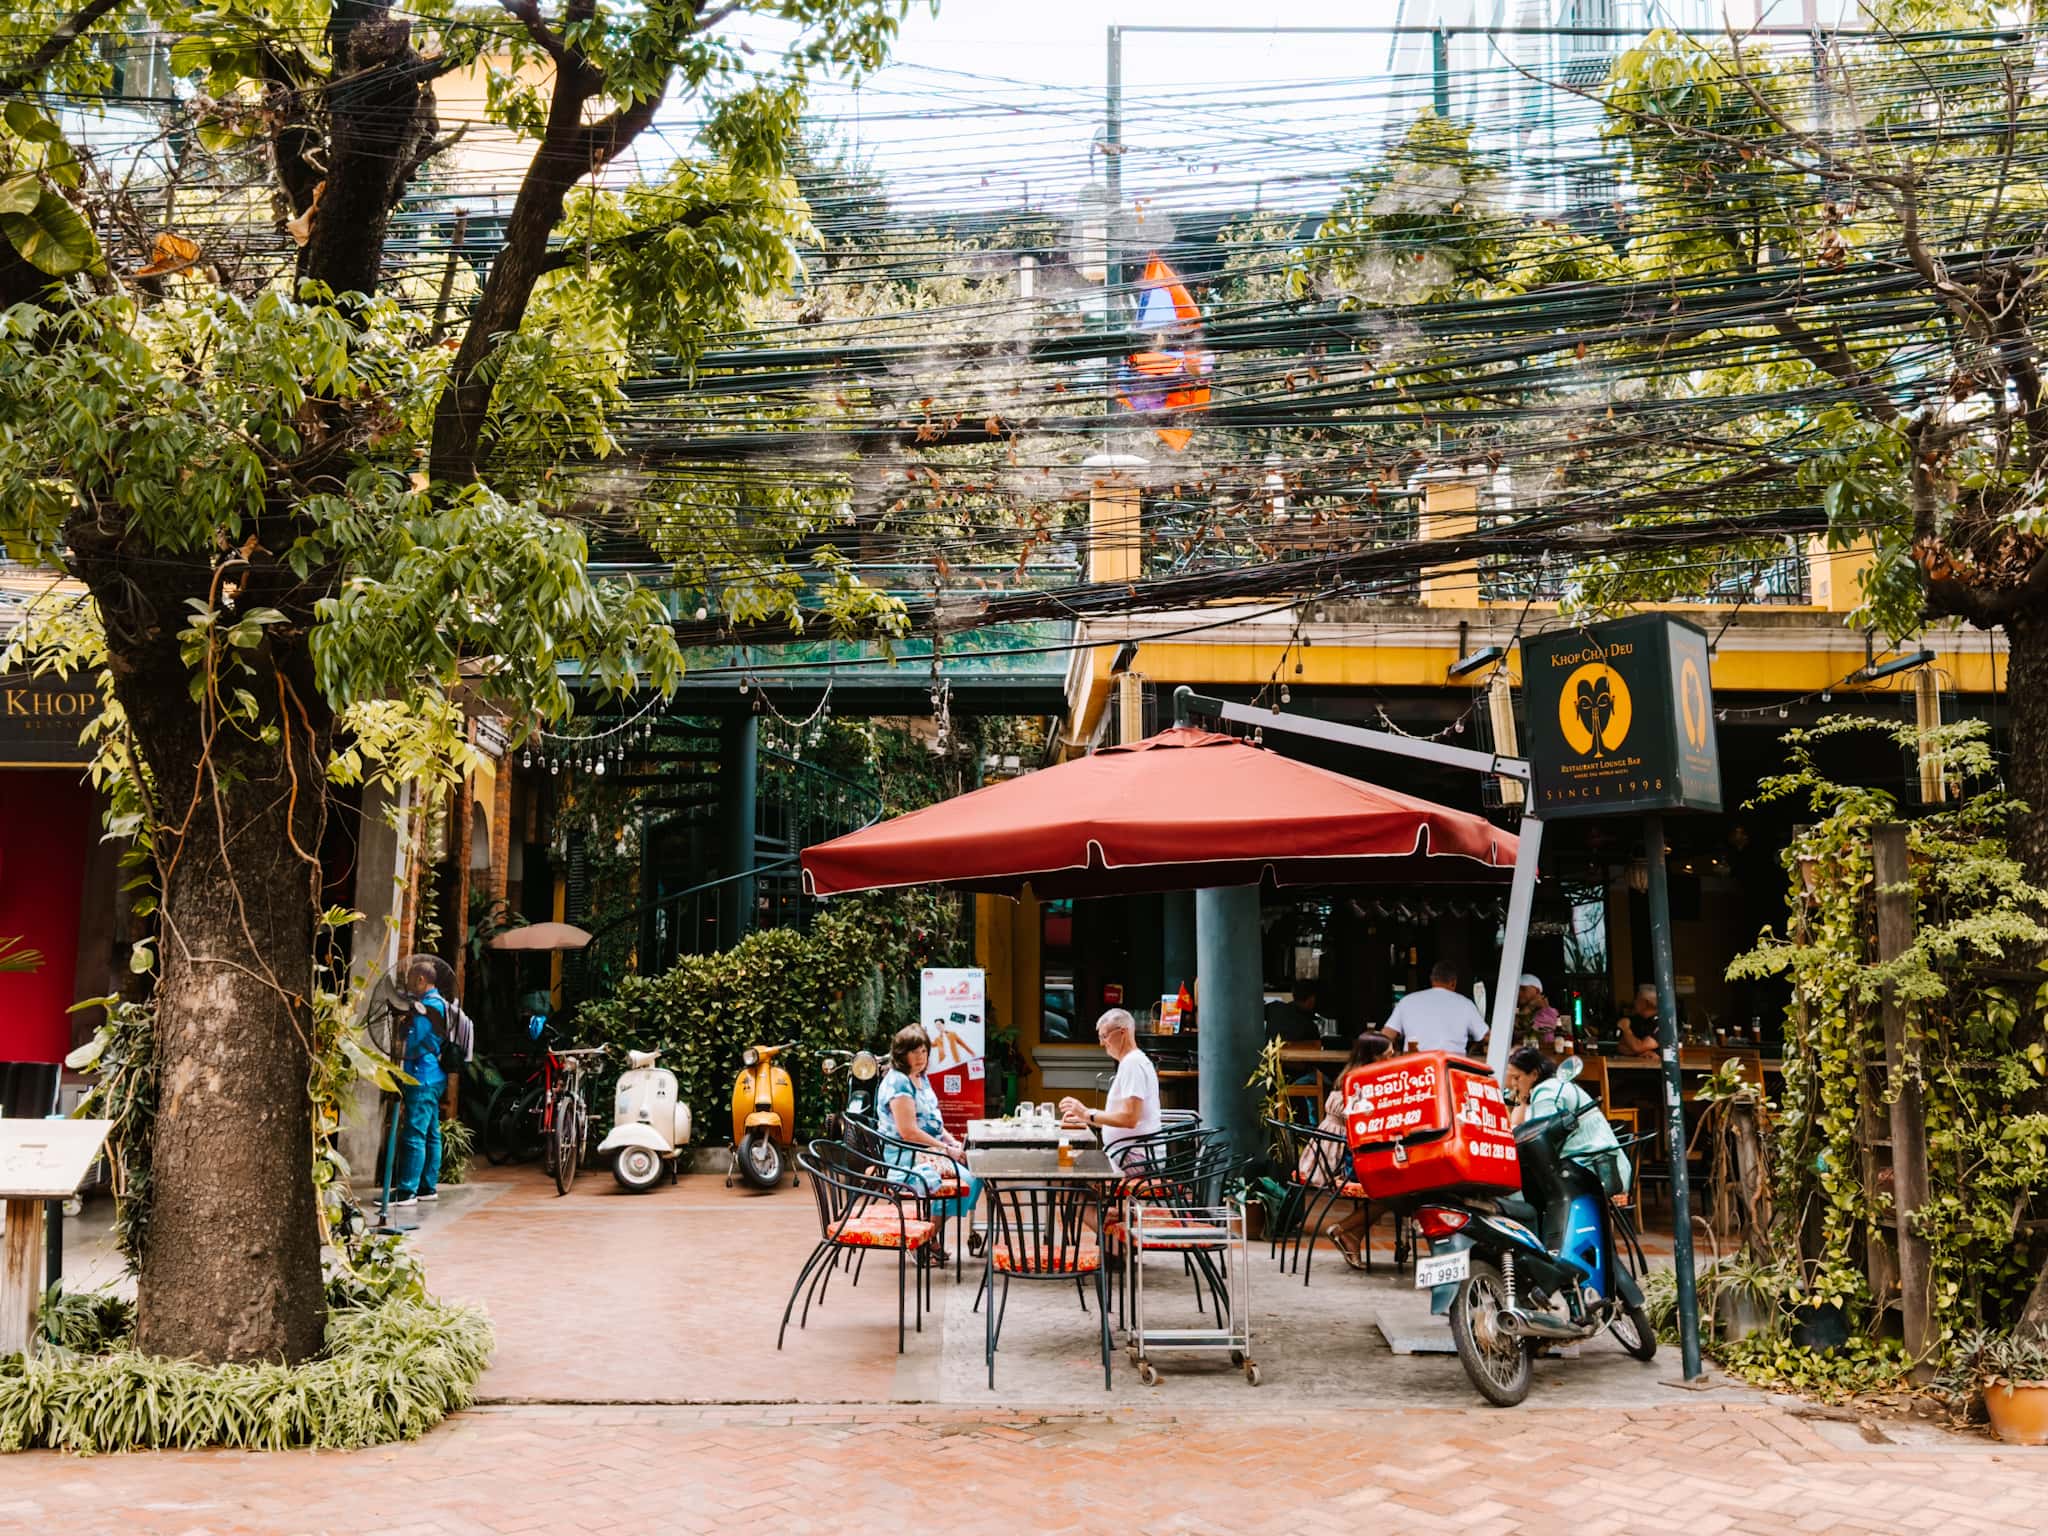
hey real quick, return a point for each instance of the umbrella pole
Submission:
(1514, 947)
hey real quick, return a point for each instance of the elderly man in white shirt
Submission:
(1131, 1107)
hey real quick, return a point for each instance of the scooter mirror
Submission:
(1569, 1069)
(828, 1066)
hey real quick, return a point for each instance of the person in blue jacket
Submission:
(419, 1113)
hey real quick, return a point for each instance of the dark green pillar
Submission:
(1230, 1015)
(738, 762)
(1177, 941)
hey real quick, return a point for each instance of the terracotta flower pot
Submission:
(2019, 1411)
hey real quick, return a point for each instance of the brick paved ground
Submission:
(953, 1472)
(618, 1311)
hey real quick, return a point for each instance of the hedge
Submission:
(850, 981)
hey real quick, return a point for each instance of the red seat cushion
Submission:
(947, 1189)
(1052, 1261)
(884, 1231)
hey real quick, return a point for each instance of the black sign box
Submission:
(1621, 719)
(40, 719)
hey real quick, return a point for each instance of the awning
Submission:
(1181, 810)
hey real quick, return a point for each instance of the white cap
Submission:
(1531, 979)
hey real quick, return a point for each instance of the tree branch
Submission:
(30, 70)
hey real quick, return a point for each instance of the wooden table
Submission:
(1039, 1165)
(1018, 1133)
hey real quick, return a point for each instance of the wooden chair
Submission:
(1624, 1123)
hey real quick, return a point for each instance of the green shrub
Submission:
(458, 1148)
(850, 981)
(390, 1371)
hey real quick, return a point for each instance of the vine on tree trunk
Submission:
(1975, 994)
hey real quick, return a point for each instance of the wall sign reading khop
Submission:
(40, 718)
(1621, 718)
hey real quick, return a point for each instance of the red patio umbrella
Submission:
(1178, 811)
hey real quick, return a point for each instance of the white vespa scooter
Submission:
(649, 1126)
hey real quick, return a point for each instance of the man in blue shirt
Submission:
(419, 1112)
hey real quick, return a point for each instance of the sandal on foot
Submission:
(1344, 1246)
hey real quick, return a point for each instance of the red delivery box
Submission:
(1428, 1122)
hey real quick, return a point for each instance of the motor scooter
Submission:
(861, 1070)
(1509, 1290)
(650, 1124)
(763, 1117)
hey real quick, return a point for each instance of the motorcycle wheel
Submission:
(638, 1169)
(760, 1160)
(1632, 1331)
(568, 1144)
(1496, 1361)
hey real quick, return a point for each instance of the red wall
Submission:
(46, 834)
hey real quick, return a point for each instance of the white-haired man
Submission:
(1131, 1107)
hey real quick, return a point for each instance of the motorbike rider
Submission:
(1539, 1092)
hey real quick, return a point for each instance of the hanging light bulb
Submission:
(600, 767)
(554, 767)
(526, 759)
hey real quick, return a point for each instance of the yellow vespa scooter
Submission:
(763, 1118)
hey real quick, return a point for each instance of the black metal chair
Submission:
(895, 1157)
(1318, 1165)
(859, 1211)
(1044, 1232)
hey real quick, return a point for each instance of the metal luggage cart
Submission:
(1217, 1232)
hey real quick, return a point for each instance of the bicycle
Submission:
(565, 1122)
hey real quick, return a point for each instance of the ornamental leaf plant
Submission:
(291, 490)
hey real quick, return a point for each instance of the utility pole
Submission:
(1113, 121)
(1113, 170)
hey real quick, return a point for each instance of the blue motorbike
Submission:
(1556, 1264)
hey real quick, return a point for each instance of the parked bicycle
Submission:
(566, 1123)
(542, 1111)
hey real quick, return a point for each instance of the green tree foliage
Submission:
(288, 502)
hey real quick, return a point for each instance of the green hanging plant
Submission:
(1974, 1011)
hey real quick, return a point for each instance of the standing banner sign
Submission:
(1621, 721)
(954, 1012)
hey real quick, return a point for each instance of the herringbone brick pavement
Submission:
(1701, 1470)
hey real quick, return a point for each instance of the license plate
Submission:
(1443, 1269)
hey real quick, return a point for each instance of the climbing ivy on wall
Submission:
(1975, 990)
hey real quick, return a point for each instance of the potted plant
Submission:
(2010, 1372)
(1744, 1295)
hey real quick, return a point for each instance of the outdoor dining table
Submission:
(1041, 1165)
(1024, 1133)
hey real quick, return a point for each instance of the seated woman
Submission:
(1322, 1164)
(1539, 1092)
(909, 1111)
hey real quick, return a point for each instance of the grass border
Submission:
(391, 1371)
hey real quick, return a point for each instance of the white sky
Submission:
(991, 102)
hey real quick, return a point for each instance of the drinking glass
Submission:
(1025, 1110)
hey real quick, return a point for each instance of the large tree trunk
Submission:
(2027, 773)
(2027, 761)
(231, 1270)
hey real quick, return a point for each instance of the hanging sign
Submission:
(1621, 719)
(954, 1011)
